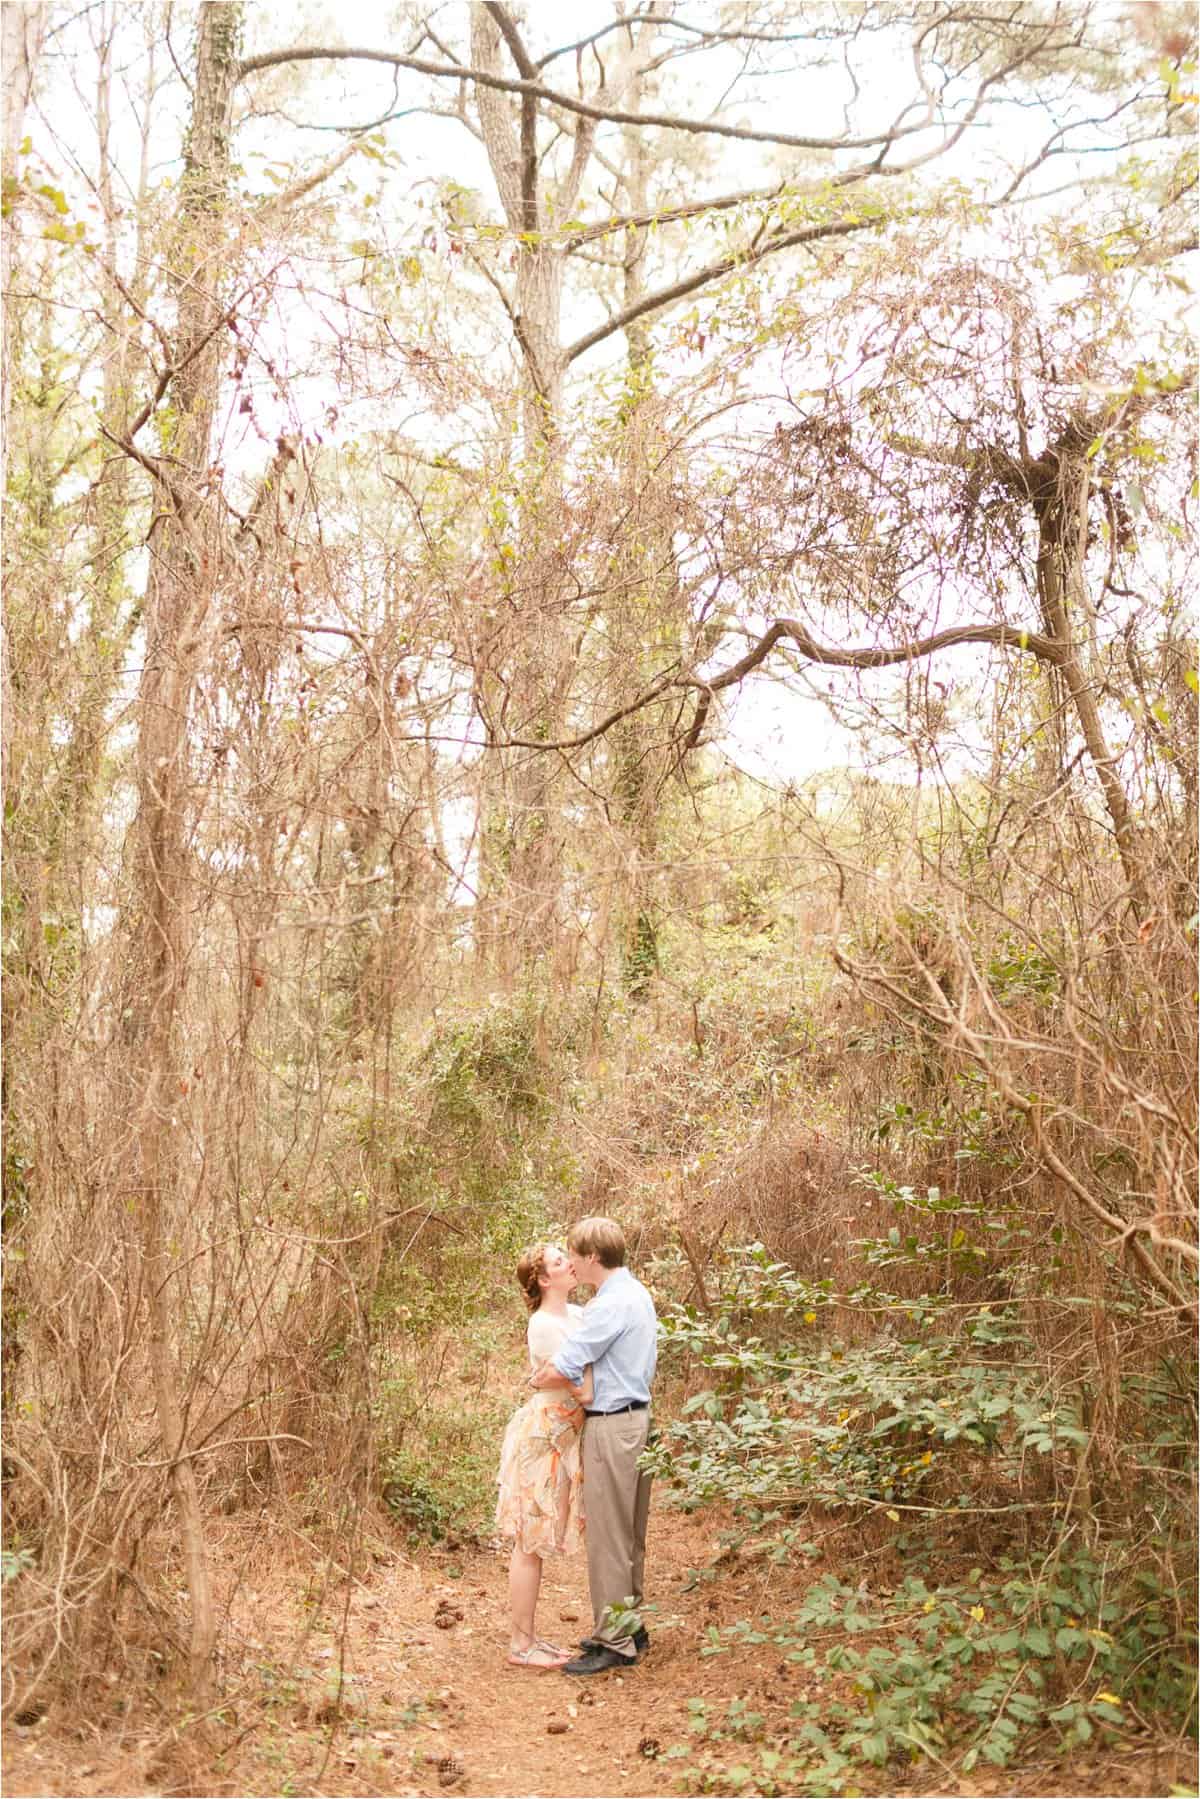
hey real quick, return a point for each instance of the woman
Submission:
(541, 1474)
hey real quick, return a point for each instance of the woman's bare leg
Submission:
(524, 1585)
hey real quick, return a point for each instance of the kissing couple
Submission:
(569, 1463)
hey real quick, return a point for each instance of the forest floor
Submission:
(373, 1696)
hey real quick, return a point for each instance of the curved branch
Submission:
(273, 59)
(666, 296)
(999, 636)
(708, 35)
(668, 215)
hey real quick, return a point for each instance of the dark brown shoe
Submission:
(598, 1661)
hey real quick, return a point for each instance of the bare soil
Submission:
(373, 1695)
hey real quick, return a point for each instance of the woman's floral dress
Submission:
(541, 1470)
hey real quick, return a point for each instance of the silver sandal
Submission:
(523, 1658)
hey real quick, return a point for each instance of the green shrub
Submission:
(442, 1482)
(947, 1413)
(972, 1668)
(793, 1415)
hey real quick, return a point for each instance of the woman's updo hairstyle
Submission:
(531, 1270)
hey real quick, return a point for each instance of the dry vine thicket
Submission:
(383, 880)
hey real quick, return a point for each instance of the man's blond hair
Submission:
(599, 1237)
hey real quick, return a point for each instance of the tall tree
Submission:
(543, 138)
(181, 623)
(22, 32)
(955, 396)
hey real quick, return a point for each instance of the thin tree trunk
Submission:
(520, 848)
(22, 31)
(185, 551)
(521, 859)
(1061, 514)
(111, 617)
(645, 597)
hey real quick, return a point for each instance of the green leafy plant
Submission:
(861, 1425)
(14, 1563)
(966, 1670)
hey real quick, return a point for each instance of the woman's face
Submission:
(559, 1275)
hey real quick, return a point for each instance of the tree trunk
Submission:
(520, 849)
(22, 31)
(179, 623)
(1059, 486)
(521, 872)
(647, 595)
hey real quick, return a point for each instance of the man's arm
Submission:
(599, 1327)
(546, 1376)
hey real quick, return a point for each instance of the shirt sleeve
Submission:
(598, 1328)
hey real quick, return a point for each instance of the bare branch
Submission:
(669, 215)
(999, 636)
(289, 195)
(273, 59)
(678, 290)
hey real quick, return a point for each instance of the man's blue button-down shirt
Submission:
(618, 1335)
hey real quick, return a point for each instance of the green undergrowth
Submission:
(440, 1401)
(932, 1425)
(937, 1399)
(965, 1670)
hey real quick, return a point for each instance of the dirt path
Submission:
(511, 1730)
(423, 1708)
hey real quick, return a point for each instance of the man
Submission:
(618, 1336)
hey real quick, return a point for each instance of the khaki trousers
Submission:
(616, 1499)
